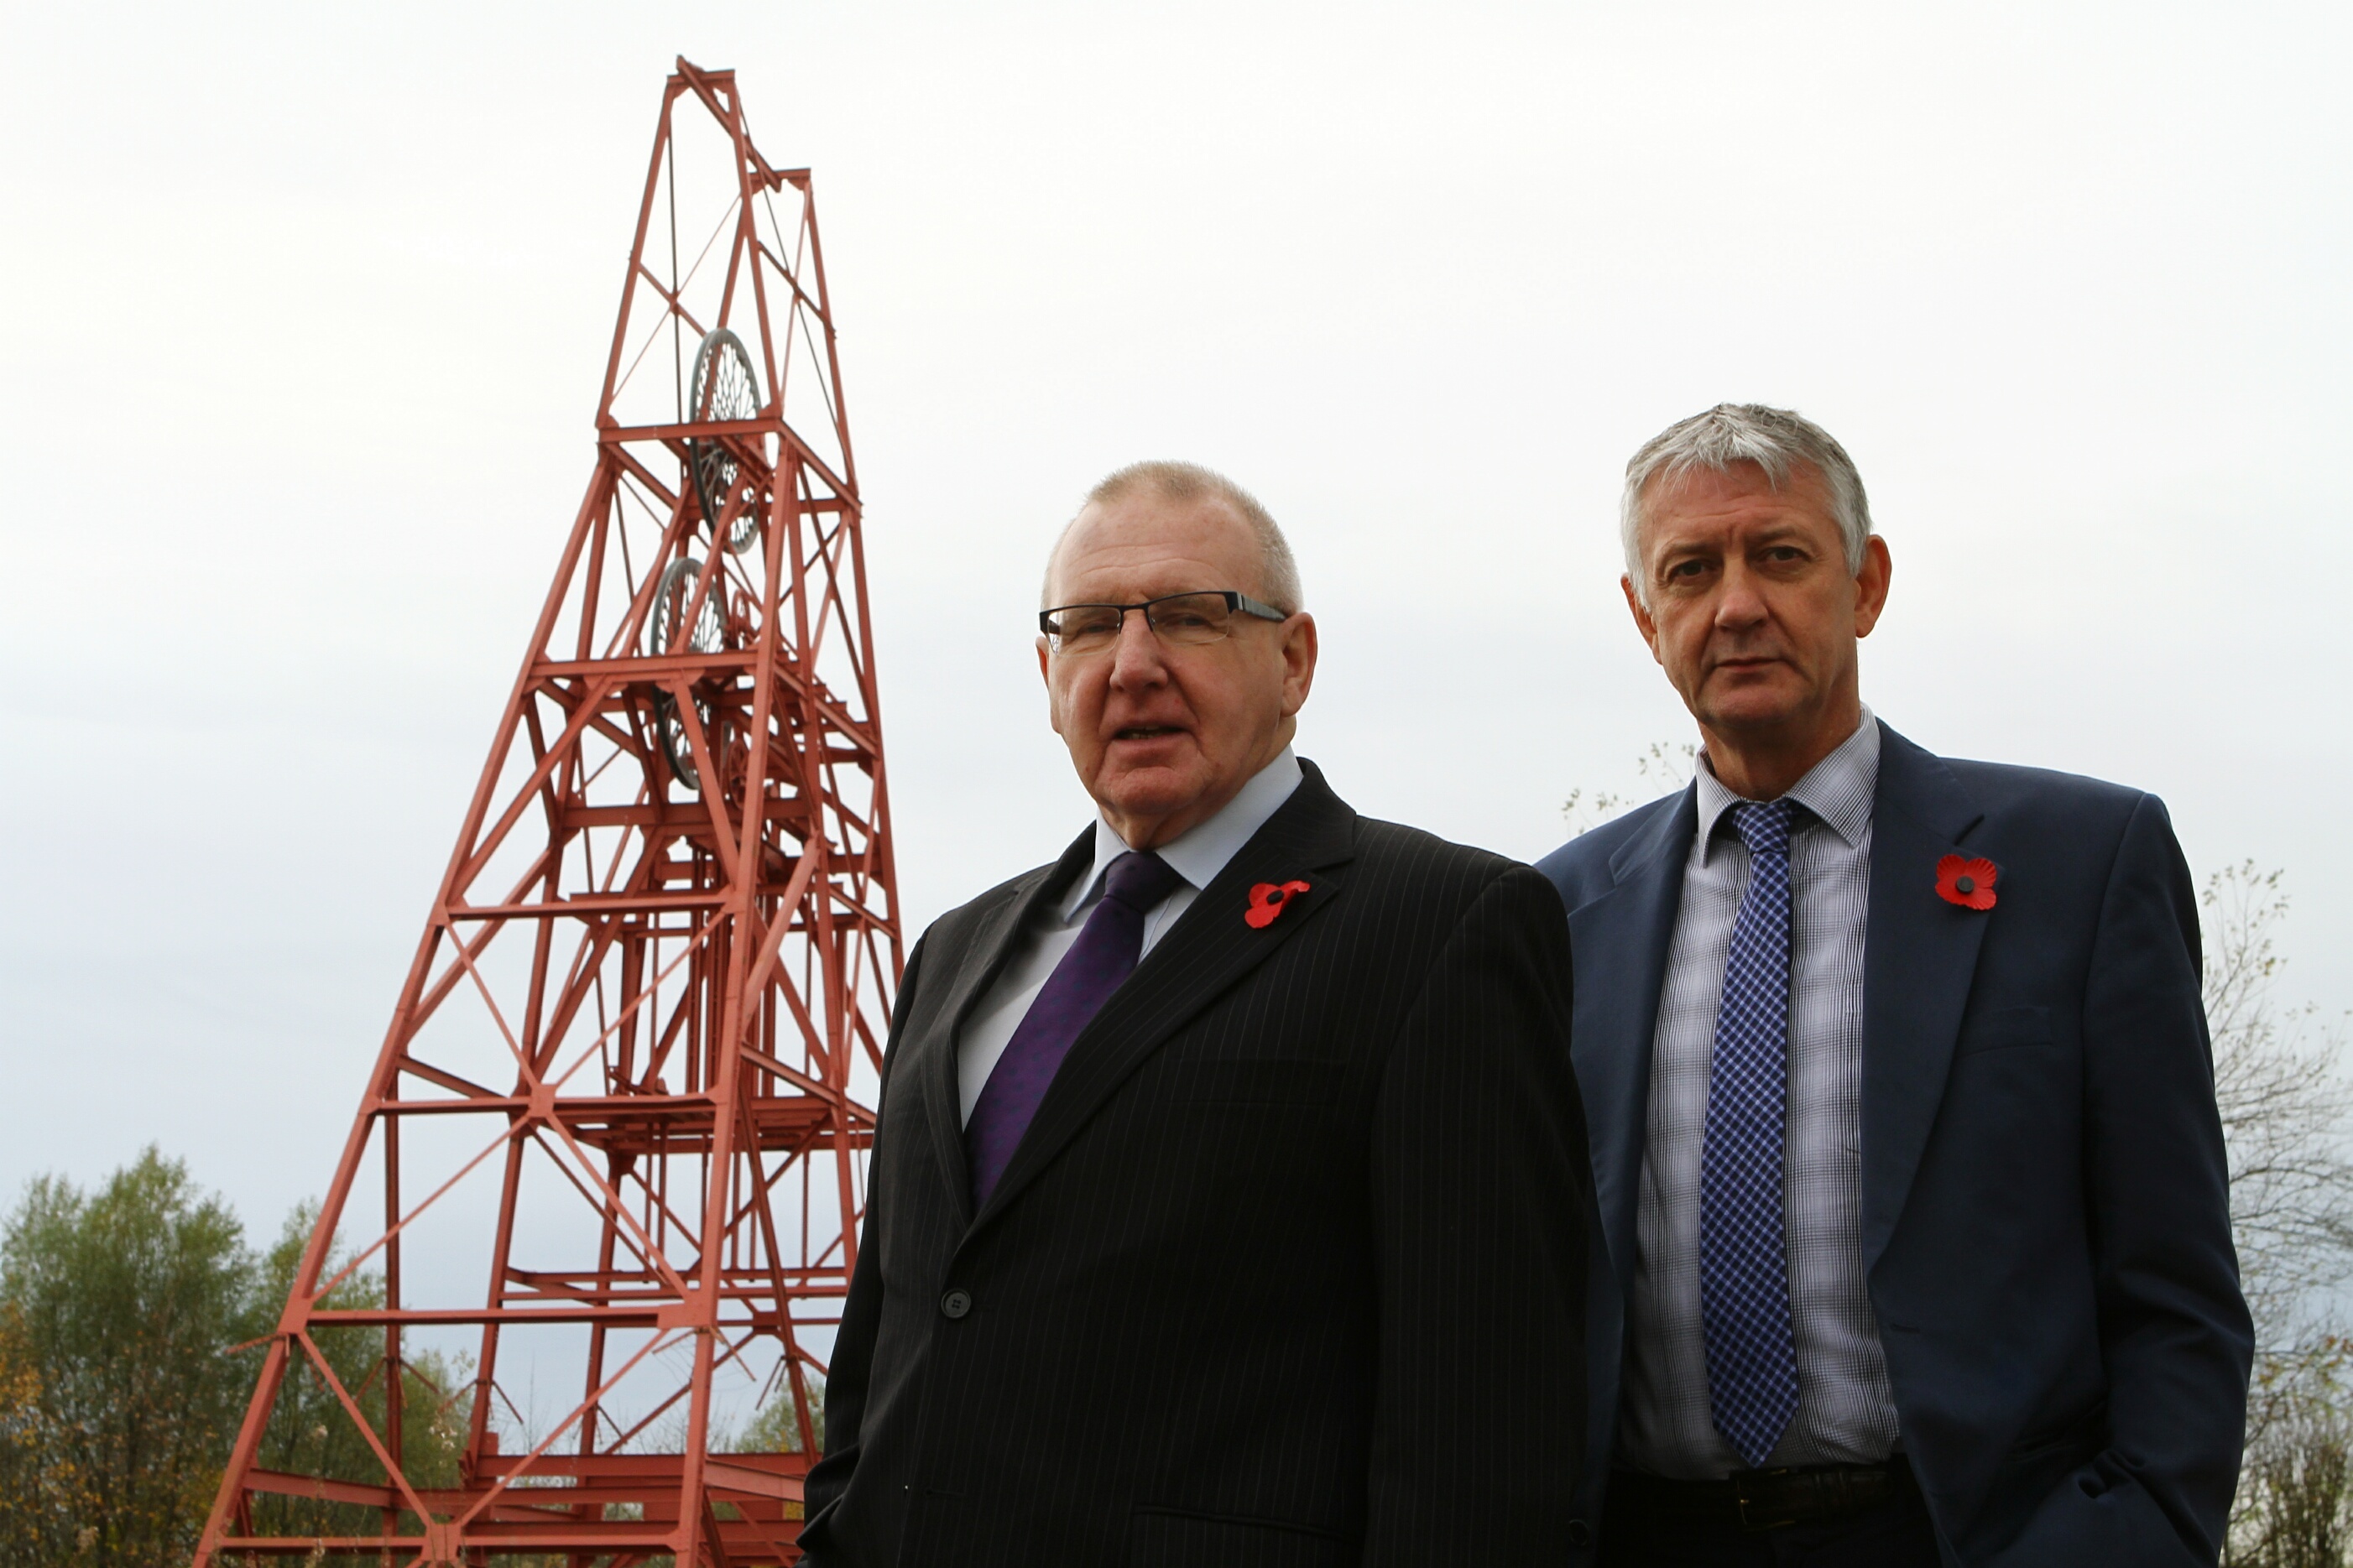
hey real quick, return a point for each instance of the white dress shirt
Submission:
(1846, 1411)
(1195, 855)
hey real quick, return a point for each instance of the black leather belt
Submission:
(1763, 1499)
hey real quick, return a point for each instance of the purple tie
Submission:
(1104, 955)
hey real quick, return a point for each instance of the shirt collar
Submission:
(1837, 789)
(1201, 851)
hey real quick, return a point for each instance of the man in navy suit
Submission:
(1914, 1220)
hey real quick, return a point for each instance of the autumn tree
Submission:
(134, 1320)
(117, 1306)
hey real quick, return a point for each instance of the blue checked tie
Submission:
(1744, 1270)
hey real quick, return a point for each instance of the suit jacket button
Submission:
(957, 1303)
(1580, 1534)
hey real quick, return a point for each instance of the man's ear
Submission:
(1299, 648)
(1053, 716)
(1642, 621)
(1871, 585)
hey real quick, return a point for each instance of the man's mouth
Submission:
(1145, 733)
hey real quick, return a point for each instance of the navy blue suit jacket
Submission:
(2045, 1209)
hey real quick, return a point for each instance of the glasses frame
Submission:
(1235, 602)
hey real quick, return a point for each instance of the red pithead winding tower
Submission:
(620, 1119)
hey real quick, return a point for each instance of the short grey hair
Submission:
(1278, 568)
(1775, 439)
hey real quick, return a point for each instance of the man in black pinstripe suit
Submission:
(1228, 1203)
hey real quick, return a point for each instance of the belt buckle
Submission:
(1743, 1501)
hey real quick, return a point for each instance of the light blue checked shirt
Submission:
(1846, 1412)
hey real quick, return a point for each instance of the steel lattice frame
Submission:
(643, 1029)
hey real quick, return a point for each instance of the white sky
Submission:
(303, 312)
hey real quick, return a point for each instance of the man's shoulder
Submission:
(1581, 870)
(957, 927)
(1414, 877)
(1409, 890)
(2003, 787)
(2071, 826)
(1392, 851)
(2044, 803)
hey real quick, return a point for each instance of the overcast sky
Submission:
(303, 310)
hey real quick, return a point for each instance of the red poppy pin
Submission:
(1267, 899)
(1969, 883)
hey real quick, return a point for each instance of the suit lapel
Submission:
(1199, 959)
(993, 946)
(1920, 955)
(1621, 941)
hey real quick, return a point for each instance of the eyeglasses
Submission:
(1184, 620)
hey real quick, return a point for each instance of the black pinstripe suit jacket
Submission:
(1289, 1271)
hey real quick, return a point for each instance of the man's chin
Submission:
(1757, 708)
(1149, 791)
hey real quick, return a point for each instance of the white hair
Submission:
(1278, 581)
(1775, 439)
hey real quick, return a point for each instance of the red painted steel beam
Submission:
(662, 954)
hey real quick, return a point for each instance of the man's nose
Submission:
(1135, 659)
(1740, 602)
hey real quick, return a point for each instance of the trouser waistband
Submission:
(1764, 1500)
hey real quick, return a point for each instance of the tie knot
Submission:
(1139, 881)
(1765, 827)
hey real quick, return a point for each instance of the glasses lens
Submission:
(1192, 618)
(1083, 629)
